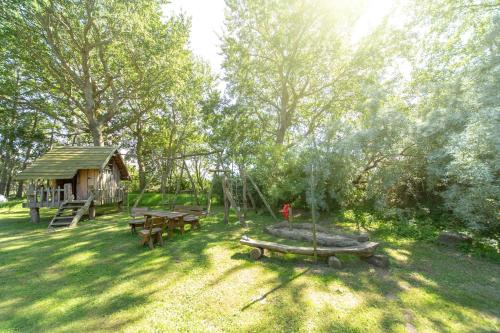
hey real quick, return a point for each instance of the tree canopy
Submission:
(403, 118)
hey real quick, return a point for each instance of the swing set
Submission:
(232, 184)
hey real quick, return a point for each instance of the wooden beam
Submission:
(209, 194)
(364, 249)
(184, 156)
(191, 180)
(139, 198)
(229, 195)
(262, 197)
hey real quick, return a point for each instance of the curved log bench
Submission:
(303, 231)
(364, 250)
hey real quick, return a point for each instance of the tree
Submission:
(171, 126)
(96, 55)
(457, 95)
(292, 62)
(22, 131)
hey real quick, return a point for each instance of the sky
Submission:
(208, 20)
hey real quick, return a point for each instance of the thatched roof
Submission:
(64, 162)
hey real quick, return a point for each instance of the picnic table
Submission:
(172, 219)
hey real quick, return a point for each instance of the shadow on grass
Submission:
(426, 285)
(80, 279)
(281, 285)
(49, 280)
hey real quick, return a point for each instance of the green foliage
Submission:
(402, 119)
(159, 200)
(473, 191)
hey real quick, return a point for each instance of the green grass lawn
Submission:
(96, 277)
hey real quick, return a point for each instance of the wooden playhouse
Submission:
(74, 180)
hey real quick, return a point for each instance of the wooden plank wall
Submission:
(108, 181)
(85, 179)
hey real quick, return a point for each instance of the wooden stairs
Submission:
(69, 213)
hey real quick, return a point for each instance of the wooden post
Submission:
(31, 194)
(256, 253)
(244, 189)
(210, 190)
(85, 209)
(35, 214)
(313, 208)
(193, 185)
(226, 203)
(209, 195)
(229, 196)
(92, 211)
(68, 192)
(177, 188)
(262, 197)
(252, 201)
(139, 198)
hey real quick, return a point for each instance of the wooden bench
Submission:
(138, 218)
(152, 232)
(195, 213)
(364, 251)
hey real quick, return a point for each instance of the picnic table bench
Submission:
(172, 219)
(195, 213)
(152, 232)
(138, 219)
(364, 251)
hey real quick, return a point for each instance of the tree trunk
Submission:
(244, 189)
(96, 132)
(5, 171)
(283, 116)
(9, 146)
(280, 136)
(52, 133)
(27, 156)
(142, 173)
(140, 156)
(20, 186)
(9, 182)
(163, 177)
(19, 191)
(35, 214)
